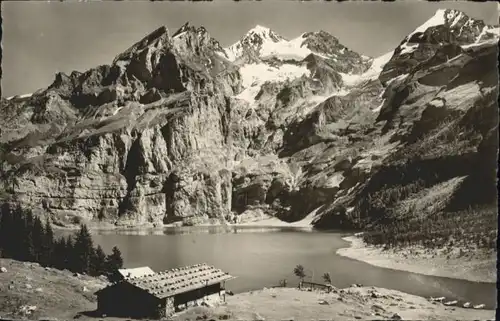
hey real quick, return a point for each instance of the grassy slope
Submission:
(55, 293)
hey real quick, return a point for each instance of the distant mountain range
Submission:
(179, 129)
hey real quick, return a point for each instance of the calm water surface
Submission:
(260, 257)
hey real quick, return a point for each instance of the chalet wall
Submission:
(169, 306)
(125, 300)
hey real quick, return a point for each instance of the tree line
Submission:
(474, 226)
(24, 237)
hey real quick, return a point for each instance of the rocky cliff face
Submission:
(179, 129)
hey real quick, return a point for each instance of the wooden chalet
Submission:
(161, 294)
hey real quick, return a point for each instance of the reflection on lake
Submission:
(204, 229)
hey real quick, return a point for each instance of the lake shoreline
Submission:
(422, 261)
(65, 296)
(265, 223)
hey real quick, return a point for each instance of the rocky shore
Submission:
(445, 262)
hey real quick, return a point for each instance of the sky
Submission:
(42, 38)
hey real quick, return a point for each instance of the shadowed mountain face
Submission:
(178, 128)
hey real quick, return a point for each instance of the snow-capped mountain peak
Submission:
(263, 33)
(443, 36)
(464, 28)
(262, 42)
(259, 29)
(437, 19)
(448, 25)
(256, 39)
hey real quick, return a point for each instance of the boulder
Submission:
(27, 309)
(396, 316)
(257, 317)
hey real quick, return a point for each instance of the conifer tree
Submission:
(47, 245)
(6, 223)
(70, 261)
(28, 246)
(16, 237)
(114, 261)
(83, 250)
(24, 237)
(57, 258)
(61, 258)
(98, 262)
(38, 239)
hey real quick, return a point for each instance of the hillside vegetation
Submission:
(24, 237)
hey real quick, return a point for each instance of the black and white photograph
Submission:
(248, 160)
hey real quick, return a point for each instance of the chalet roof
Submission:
(136, 272)
(171, 282)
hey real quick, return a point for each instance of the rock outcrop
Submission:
(178, 128)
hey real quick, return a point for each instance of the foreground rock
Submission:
(365, 303)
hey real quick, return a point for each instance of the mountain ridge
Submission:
(172, 131)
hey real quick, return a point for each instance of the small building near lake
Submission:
(161, 294)
(135, 272)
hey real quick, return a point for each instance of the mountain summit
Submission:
(262, 43)
(259, 40)
(174, 131)
(447, 33)
(449, 26)
(259, 34)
